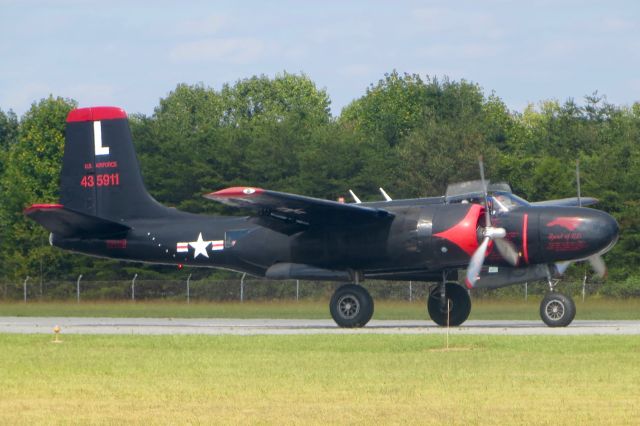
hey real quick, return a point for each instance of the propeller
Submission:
(596, 261)
(489, 233)
(598, 265)
(578, 182)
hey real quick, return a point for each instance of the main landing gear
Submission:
(557, 309)
(449, 304)
(351, 306)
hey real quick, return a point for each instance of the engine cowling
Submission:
(446, 236)
(435, 236)
(554, 234)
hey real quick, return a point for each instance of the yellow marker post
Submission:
(56, 331)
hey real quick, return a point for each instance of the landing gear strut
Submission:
(351, 306)
(454, 304)
(557, 309)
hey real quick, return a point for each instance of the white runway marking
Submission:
(157, 326)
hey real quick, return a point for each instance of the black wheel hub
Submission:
(555, 309)
(348, 306)
(351, 306)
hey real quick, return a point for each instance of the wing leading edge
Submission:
(567, 202)
(290, 213)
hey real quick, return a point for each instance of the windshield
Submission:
(506, 201)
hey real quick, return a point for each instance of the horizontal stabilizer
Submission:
(72, 224)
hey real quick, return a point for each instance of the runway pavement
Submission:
(157, 326)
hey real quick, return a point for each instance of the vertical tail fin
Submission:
(100, 172)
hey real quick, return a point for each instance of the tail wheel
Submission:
(557, 310)
(351, 306)
(457, 301)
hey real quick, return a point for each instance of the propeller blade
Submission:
(487, 215)
(578, 182)
(476, 262)
(561, 267)
(507, 251)
(596, 262)
(598, 265)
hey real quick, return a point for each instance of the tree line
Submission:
(411, 135)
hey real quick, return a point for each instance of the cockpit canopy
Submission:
(500, 197)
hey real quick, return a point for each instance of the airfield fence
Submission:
(260, 289)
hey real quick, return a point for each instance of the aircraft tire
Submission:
(460, 305)
(351, 306)
(557, 310)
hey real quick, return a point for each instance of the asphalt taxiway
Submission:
(158, 326)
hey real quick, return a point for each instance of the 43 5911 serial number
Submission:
(107, 179)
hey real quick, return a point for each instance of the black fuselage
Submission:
(420, 241)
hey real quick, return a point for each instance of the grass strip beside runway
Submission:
(342, 379)
(591, 309)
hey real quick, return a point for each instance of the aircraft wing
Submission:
(290, 213)
(567, 202)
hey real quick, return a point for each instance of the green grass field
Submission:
(337, 379)
(482, 309)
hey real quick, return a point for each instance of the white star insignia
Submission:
(200, 247)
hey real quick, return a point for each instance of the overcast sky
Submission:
(130, 54)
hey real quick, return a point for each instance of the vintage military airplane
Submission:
(105, 210)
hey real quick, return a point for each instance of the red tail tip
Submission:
(35, 207)
(95, 114)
